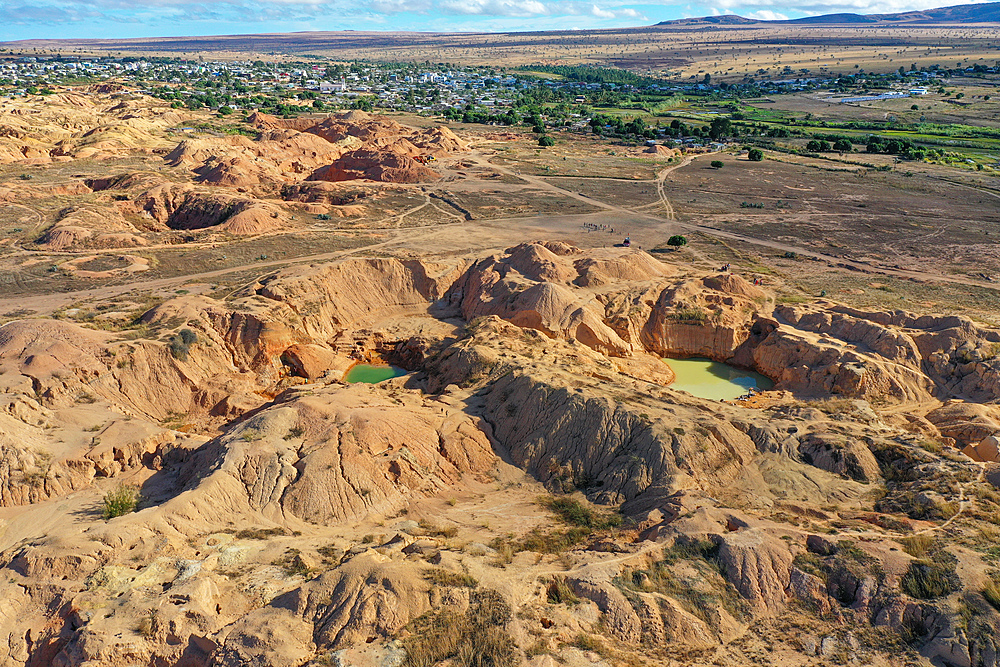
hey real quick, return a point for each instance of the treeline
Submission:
(591, 74)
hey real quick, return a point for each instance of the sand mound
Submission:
(70, 126)
(375, 165)
(336, 148)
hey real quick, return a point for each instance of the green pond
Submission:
(372, 374)
(714, 380)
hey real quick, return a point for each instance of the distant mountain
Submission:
(987, 12)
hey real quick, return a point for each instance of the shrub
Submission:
(717, 164)
(930, 579)
(477, 638)
(433, 530)
(843, 145)
(178, 350)
(188, 337)
(575, 513)
(917, 546)
(553, 542)
(689, 314)
(546, 141)
(441, 577)
(755, 155)
(586, 642)
(120, 502)
(559, 592)
(992, 593)
(677, 240)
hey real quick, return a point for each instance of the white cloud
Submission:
(766, 15)
(397, 6)
(816, 7)
(601, 13)
(495, 7)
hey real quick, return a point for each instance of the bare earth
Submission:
(181, 309)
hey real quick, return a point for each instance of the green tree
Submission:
(755, 155)
(545, 141)
(717, 164)
(720, 128)
(677, 240)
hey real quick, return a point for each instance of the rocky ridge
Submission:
(274, 526)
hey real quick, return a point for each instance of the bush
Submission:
(545, 141)
(689, 314)
(120, 502)
(178, 350)
(188, 337)
(930, 579)
(755, 155)
(677, 240)
(553, 542)
(225, 110)
(918, 546)
(559, 592)
(843, 145)
(575, 513)
(717, 164)
(477, 638)
(447, 578)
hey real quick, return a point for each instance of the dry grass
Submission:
(477, 638)
(560, 592)
(918, 546)
(991, 592)
(432, 530)
(441, 577)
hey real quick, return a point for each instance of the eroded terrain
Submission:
(183, 306)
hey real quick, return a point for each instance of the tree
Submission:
(717, 164)
(545, 141)
(708, 79)
(755, 155)
(225, 110)
(843, 145)
(677, 240)
(720, 129)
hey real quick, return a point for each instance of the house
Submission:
(326, 87)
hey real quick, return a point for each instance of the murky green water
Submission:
(713, 380)
(372, 374)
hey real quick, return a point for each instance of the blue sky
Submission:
(28, 19)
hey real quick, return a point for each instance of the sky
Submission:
(52, 19)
